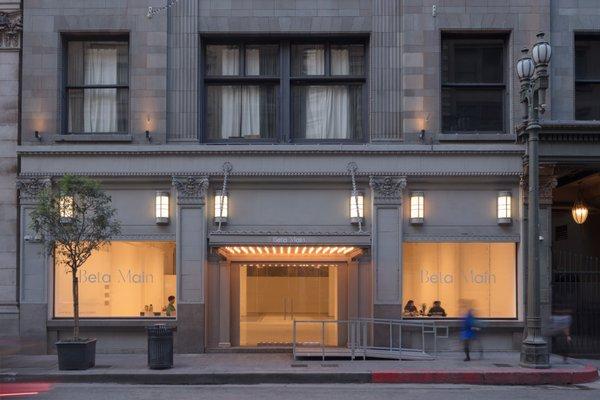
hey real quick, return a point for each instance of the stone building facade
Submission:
(10, 59)
(391, 194)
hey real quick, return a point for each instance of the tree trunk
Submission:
(75, 306)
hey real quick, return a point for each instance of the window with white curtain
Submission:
(241, 91)
(284, 92)
(327, 84)
(97, 88)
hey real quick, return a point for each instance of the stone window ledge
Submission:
(102, 137)
(112, 323)
(476, 137)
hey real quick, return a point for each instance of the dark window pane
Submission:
(587, 58)
(97, 110)
(241, 111)
(222, 60)
(308, 59)
(262, 60)
(472, 62)
(587, 103)
(347, 59)
(327, 112)
(469, 109)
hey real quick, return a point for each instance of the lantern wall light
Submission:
(161, 203)
(580, 210)
(221, 207)
(357, 202)
(504, 208)
(417, 208)
(65, 206)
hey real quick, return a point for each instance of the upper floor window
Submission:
(587, 77)
(96, 90)
(473, 84)
(327, 83)
(251, 89)
(242, 82)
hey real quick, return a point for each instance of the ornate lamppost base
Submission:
(534, 354)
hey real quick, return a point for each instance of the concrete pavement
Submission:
(258, 368)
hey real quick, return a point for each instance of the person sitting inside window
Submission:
(436, 310)
(410, 310)
(170, 308)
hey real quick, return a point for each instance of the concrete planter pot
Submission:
(77, 355)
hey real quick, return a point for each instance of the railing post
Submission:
(294, 339)
(323, 340)
(400, 341)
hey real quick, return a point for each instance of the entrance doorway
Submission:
(274, 294)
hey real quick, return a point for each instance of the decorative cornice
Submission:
(31, 187)
(387, 189)
(277, 173)
(251, 150)
(145, 236)
(460, 238)
(282, 232)
(566, 131)
(11, 26)
(191, 189)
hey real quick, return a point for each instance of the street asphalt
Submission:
(317, 392)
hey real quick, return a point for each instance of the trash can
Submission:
(160, 346)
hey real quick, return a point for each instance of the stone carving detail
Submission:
(30, 188)
(387, 189)
(191, 189)
(548, 183)
(11, 25)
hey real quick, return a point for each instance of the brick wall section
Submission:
(568, 17)
(43, 22)
(422, 49)
(285, 16)
(9, 117)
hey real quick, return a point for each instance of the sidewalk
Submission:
(498, 368)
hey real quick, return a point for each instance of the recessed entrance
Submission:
(273, 295)
(263, 289)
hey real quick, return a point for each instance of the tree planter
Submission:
(76, 355)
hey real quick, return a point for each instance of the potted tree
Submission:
(74, 218)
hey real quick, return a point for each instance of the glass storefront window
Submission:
(482, 275)
(124, 279)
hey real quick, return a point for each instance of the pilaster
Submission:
(224, 305)
(191, 261)
(34, 268)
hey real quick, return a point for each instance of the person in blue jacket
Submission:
(468, 332)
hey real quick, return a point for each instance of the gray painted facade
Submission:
(290, 191)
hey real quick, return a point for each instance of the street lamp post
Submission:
(533, 75)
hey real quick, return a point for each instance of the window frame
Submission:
(54, 317)
(285, 81)
(583, 36)
(474, 39)
(451, 240)
(65, 87)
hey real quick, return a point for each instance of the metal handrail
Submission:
(360, 330)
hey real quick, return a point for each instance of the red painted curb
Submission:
(515, 376)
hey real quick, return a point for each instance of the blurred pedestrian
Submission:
(560, 330)
(469, 330)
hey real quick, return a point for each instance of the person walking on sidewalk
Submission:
(469, 330)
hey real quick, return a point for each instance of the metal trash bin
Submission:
(160, 346)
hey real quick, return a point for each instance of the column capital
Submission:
(191, 189)
(547, 184)
(31, 187)
(387, 189)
